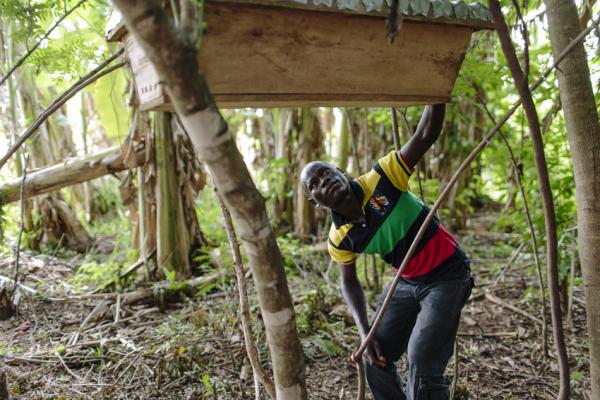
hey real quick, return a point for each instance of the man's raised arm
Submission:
(427, 133)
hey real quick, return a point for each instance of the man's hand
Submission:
(355, 298)
(374, 355)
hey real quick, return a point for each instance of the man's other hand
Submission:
(374, 355)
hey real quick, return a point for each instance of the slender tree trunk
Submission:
(283, 123)
(581, 117)
(59, 222)
(87, 197)
(305, 213)
(173, 53)
(63, 147)
(343, 144)
(521, 84)
(148, 184)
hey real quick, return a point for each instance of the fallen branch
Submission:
(128, 271)
(512, 259)
(251, 348)
(69, 172)
(489, 335)
(39, 42)
(147, 294)
(91, 77)
(502, 303)
(19, 284)
(73, 374)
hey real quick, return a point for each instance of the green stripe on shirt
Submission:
(396, 225)
(402, 164)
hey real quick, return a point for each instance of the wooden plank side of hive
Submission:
(256, 56)
(267, 56)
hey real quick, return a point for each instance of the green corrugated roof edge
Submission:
(458, 12)
(446, 11)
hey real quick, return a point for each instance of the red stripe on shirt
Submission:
(411, 169)
(441, 246)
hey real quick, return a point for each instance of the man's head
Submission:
(325, 184)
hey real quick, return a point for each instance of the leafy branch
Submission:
(38, 43)
(89, 78)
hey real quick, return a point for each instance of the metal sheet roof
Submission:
(474, 15)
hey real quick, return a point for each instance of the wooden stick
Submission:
(251, 349)
(73, 374)
(20, 234)
(512, 259)
(128, 271)
(26, 288)
(504, 304)
(456, 365)
(395, 132)
(490, 335)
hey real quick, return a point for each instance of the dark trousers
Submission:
(422, 320)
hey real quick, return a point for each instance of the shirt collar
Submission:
(339, 219)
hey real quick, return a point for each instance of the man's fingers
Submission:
(373, 358)
(379, 352)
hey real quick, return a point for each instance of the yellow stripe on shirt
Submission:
(391, 165)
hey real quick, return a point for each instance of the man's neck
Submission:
(351, 208)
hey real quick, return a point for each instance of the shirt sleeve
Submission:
(338, 254)
(396, 169)
(345, 257)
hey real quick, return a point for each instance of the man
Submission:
(376, 214)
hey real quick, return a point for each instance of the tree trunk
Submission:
(581, 117)
(283, 125)
(343, 144)
(87, 197)
(173, 245)
(172, 51)
(59, 222)
(305, 212)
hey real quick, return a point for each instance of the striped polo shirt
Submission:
(393, 217)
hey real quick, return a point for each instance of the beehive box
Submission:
(280, 53)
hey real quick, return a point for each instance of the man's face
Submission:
(325, 184)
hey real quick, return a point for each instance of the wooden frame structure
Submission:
(268, 53)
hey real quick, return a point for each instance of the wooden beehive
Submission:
(268, 53)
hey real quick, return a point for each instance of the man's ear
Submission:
(313, 202)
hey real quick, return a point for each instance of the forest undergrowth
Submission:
(68, 342)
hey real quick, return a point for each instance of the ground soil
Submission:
(191, 347)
